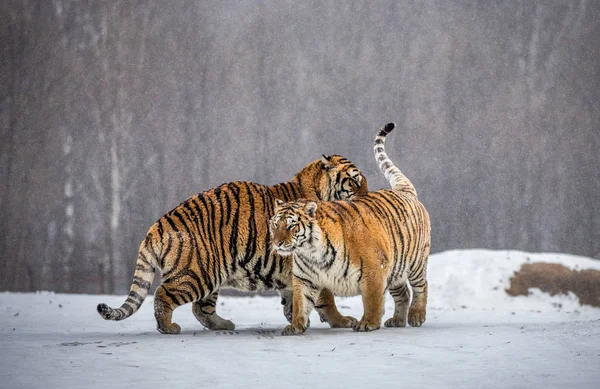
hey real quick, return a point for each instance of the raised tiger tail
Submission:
(146, 265)
(395, 177)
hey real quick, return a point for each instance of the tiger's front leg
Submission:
(205, 312)
(304, 296)
(372, 291)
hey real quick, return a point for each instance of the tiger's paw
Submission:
(219, 324)
(172, 329)
(395, 322)
(288, 316)
(416, 317)
(344, 322)
(291, 330)
(323, 317)
(213, 321)
(364, 326)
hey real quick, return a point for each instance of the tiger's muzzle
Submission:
(283, 248)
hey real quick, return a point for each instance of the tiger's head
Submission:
(293, 226)
(332, 178)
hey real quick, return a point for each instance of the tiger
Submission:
(376, 242)
(219, 238)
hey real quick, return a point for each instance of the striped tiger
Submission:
(219, 238)
(376, 242)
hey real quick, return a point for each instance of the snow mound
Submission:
(477, 279)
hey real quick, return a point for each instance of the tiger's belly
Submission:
(340, 279)
(249, 279)
(254, 284)
(340, 286)
(245, 284)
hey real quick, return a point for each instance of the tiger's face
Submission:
(292, 225)
(341, 179)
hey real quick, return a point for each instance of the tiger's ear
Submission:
(310, 208)
(363, 187)
(326, 161)
(279, 203)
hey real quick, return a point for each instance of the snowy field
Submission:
(475, 336)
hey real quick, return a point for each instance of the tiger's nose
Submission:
(278, 243)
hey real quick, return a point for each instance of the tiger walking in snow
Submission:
(375, 243)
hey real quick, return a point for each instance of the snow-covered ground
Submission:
(475, 336)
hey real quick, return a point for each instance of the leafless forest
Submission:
(112, 113)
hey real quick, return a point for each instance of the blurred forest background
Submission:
(112, 113)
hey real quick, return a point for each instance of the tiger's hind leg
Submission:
(166, 299)
(418, 282)
(287, 297)
(401, 297)
(329, 313)
(205, 312)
